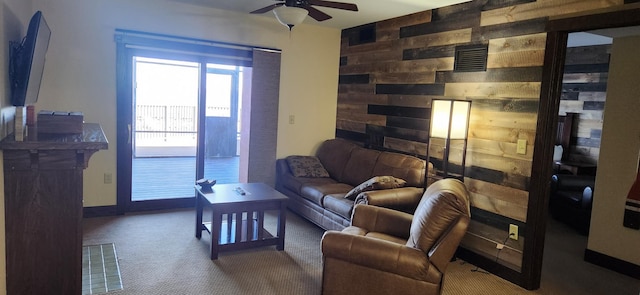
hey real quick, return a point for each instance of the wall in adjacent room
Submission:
(619, 153)
(584, 91)
(80, 70)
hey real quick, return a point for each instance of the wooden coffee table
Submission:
(237, 220)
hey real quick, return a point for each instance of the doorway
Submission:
(555, 52)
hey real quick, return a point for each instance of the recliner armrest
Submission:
(376, 254)
(382, 220)
(403, 199)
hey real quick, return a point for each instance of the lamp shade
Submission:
(447, 114)
(290, 16)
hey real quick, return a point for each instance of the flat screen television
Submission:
(27, 60)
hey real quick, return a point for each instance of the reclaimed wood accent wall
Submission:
(391, 70)
(584, 91)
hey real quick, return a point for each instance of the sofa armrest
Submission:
(568, 182)
(587, 198)
(403, 199)
(382, 220)
(376, 254)
(282, 167)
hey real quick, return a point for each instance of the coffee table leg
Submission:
(198, 216)
(282, 220)
(216, 223)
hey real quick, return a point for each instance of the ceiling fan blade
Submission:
(336, 5)
(316, 14)
(266, 9)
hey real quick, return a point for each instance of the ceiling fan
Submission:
(307, 5)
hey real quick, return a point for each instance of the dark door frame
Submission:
(551, 89)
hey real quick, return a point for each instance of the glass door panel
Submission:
(164, 128)
(222, 136)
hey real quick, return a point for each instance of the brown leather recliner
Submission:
(392, 252)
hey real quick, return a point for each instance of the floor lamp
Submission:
(450, 121)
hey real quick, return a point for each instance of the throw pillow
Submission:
(306, 166)
(375, 183)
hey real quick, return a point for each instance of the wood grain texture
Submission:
(505, 103)
(43, 202)
(542, 8)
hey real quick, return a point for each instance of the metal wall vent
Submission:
(471, 58)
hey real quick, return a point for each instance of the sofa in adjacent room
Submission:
(325, 187)
(571, 200)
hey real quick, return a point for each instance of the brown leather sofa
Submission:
(391, 252)
(321, 199)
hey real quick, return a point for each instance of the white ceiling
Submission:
(369, 10)
(599, 37)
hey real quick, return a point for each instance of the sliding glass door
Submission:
(179, 117)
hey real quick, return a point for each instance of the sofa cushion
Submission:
(336, 203)
(306, 166)
(375, 183)
(359, 168)
(315, 192)
(409, 168)
(295, 183)
(334, 154)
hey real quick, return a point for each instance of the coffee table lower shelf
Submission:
(228, 235)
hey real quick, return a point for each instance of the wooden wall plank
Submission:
(525, 121)
(398, 111)
(401, 78)
(404, 21)
(351, 125)
(418, 149)
(411, 89)
(516, 59)
(355, 97)
(507, 165)
(436, 39)
(498, 148)
(519, 74)
(520, 90)
(502, 134)
(375, 56)
(410, 100)
(518, 43)
(542, 8)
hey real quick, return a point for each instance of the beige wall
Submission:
(80, 70)
(618, 155)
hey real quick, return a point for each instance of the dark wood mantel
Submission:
(43, 209)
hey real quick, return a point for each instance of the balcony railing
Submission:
(168, 124)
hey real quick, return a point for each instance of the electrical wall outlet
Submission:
(513, 232)
(292, 119)
(108, 178)
(522, 147)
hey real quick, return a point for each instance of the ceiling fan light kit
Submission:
(293, 12)
(290, 16)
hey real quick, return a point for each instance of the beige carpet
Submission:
(158, 254)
